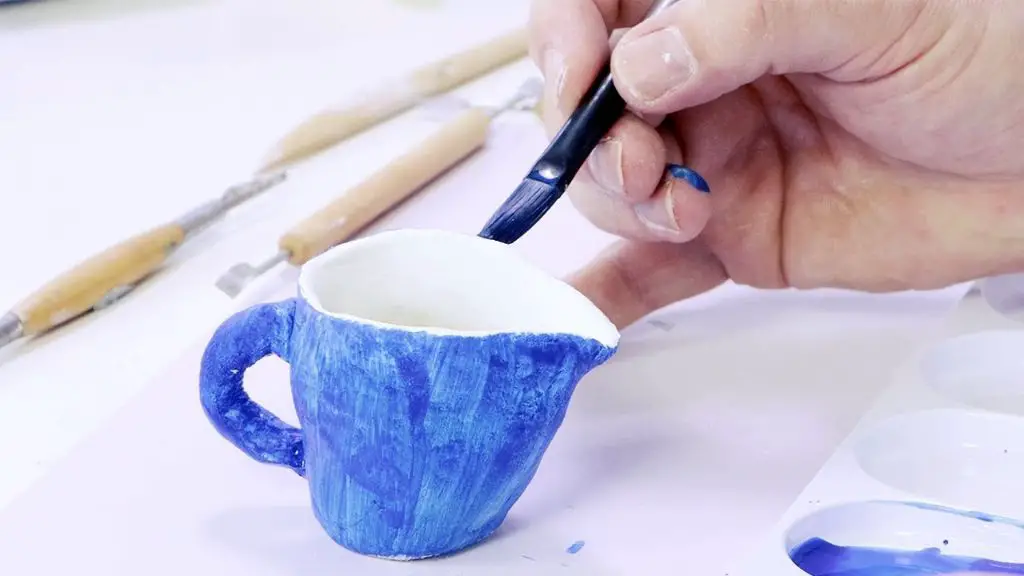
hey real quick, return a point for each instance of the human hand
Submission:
(875, 145)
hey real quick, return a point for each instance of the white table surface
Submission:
(675, 457)
(114, 119)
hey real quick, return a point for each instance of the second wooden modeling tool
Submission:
(384, 190)
(394, 97)
(107, 277)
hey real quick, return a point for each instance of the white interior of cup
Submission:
(447, 283)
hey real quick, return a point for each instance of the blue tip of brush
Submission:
(524, 208)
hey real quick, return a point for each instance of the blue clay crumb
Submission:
(576, 547)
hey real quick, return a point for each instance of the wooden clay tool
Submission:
(106, 277)
(385, 189)
(387, 101)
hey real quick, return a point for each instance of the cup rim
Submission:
(605, 332)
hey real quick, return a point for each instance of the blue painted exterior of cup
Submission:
(415, 442)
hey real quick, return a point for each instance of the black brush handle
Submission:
(598, 111)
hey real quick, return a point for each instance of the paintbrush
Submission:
(107, 277)
(547, 180)
(388, 187)
(395, 97)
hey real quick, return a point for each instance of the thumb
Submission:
(698, 50)
(629, 280)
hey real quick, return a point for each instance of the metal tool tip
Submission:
(263, 181)
(275, 177)
(529, 94)
(234, 281)
(533, 85)
(525, 98)
(10, 329)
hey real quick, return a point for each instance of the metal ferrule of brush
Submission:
(658, 7)
(549, 177)
(547, 181)
(600, 109)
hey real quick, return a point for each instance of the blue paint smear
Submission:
(818, 557)
(981, 516)
(414, 445)
(692, 178)
(576, 547)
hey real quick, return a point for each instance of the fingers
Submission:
(630, 280)
(676, 211)
(697, 50)
(623, 188)
(892, 231)
(629, 162)
(569, 42)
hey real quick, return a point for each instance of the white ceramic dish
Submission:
(935, 466)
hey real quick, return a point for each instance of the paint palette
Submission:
(929, 481)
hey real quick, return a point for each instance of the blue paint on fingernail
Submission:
(576, 547)
(691, 177)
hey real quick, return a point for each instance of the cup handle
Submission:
(241, 341)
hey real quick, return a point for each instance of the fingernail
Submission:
(690, 177)
(658, 213)
(652, 65)
(605, 165)
(554, 76)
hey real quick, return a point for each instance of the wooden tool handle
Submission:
(330, 127)
(444, 75)
(104, 275)
(388, 187)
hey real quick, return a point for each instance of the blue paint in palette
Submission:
(973, 514)
(818, 557)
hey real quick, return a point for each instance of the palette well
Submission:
(929, 480)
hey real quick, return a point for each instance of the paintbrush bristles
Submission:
(524, 208)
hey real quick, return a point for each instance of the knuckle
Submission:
(755, 24)
(756, 16)
(596, 206)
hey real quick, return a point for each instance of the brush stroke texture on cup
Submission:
(415, 442)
